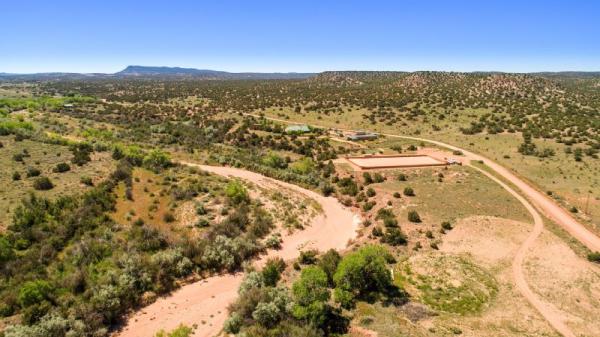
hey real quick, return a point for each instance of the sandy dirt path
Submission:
(554, 317)
(204, 303)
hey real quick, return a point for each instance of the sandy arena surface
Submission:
(204, 303)
(395, 161)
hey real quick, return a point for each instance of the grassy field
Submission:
(448, 283)
(462, 192)
(569, 180)
(44, 157)
(162, 200)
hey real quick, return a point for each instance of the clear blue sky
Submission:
(106, 36)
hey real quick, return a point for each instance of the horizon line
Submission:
(298, 72)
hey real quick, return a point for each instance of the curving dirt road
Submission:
(539, 199)
(547, 310)
(204, 303)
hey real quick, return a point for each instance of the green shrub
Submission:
(447, 225)
(308, 256)
(361, 273)
(311, 294)
(378, 178)
(377, 231)
(61, 167)
(594, 257)
(180, 331)
(168, 217)
(371, 192)
(368, 206)
(275, 161)
(86, 181)
(413, 216)
(81, 153)
(408, 191)
(156, 160)
(329, 262)
(43, 184)
(34, 292)
(33, 172)
(236, 192)
(394, 237)
(303, 166)
(327, 189)
(272, 270)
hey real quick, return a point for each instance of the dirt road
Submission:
(204, 303)
(546, 205)
(554, 317)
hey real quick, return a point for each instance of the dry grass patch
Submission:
(43, 157)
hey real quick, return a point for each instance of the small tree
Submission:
(311, 294)
(360, 273)
(329, 262)
(271, 272)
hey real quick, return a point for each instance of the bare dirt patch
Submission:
(394, 161)
(571, 283)
(493, 243)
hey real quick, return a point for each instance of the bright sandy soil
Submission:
(204, 303)
(396, 161)
(547, 310)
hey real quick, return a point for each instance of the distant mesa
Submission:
(176, 71)
(204, 73)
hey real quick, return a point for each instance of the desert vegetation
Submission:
(100, 215)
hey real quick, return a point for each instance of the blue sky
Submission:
(459, 35)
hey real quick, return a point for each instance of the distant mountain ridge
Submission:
(144, 70)
(204, 73)
(158, 72)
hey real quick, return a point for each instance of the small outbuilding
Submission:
(303, 128)
(362, 135)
